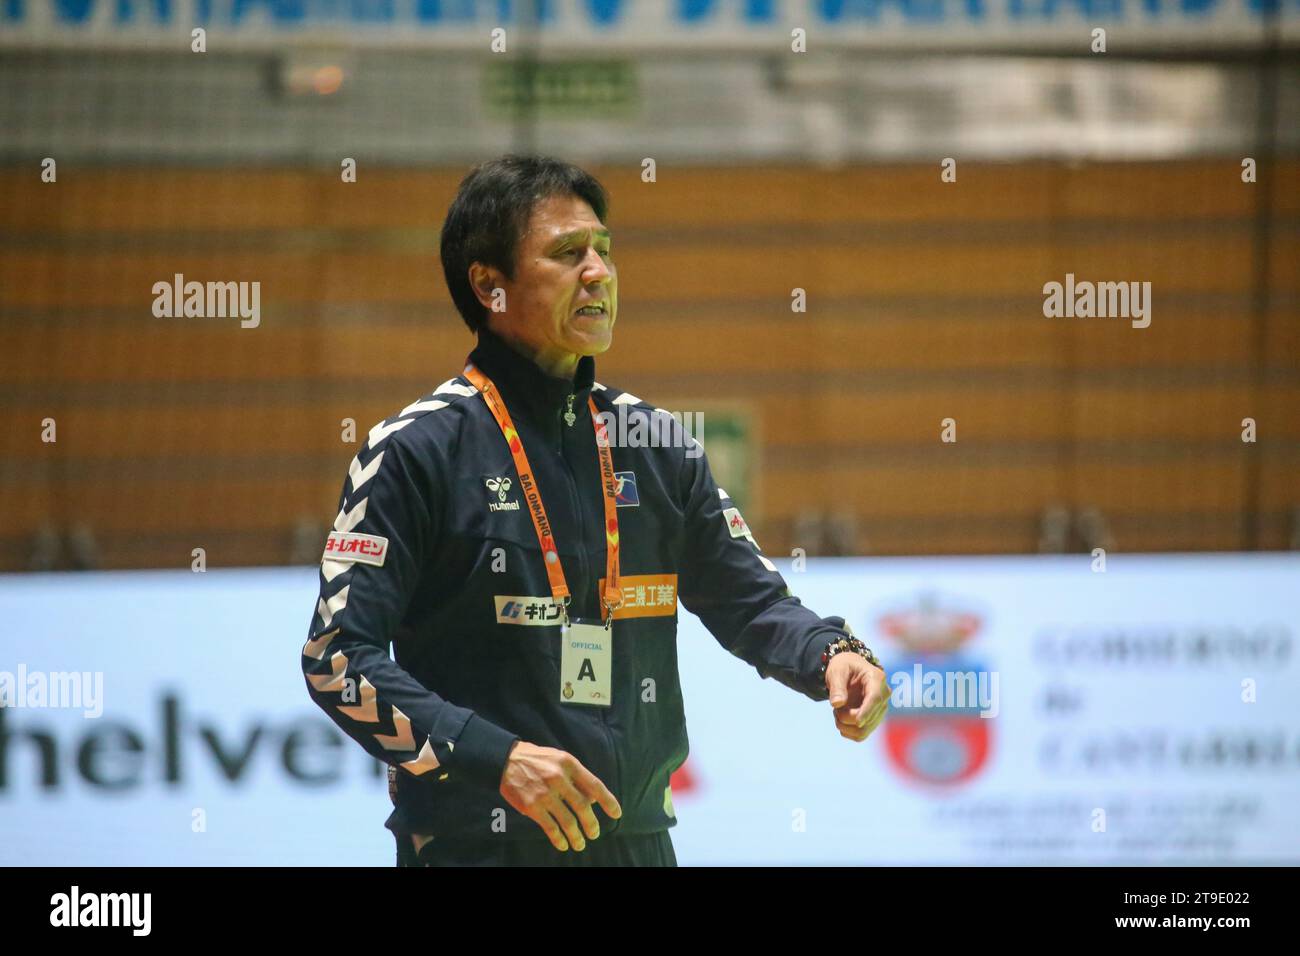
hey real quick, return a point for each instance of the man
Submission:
(525, 561)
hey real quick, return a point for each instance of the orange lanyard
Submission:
(613, 596)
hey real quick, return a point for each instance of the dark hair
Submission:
(490, 214)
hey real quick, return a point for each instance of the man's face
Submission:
(562, 265)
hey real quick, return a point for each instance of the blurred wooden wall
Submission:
(924, 302)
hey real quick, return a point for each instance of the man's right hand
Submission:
(554, 790)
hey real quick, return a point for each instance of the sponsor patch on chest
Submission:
(645, 595)
(525, 610)
(350, 546)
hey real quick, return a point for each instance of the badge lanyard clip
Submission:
(609, 612)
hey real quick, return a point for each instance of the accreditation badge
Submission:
(586, 662)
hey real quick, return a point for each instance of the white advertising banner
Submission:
(1044, 712)
(631, 25)
(1145, 714)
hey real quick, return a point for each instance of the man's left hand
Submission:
(859, 694)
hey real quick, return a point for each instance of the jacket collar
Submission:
(527, 390)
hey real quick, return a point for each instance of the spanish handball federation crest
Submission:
(626, 494)
(937, 742)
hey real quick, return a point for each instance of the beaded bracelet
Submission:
(849, 643)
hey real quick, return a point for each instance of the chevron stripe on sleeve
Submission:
(372, 562)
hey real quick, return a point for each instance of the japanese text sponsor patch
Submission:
(645, 595)
(350, 546)
(527, 611)
(737, 526)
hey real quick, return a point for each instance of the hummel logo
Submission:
(502, 487)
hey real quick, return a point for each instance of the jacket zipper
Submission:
(585, 575)
(583, 571)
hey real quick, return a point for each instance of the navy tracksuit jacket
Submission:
(433, 551)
